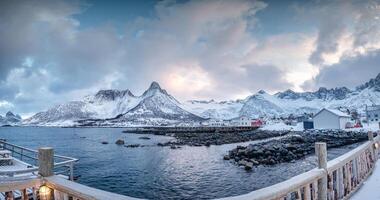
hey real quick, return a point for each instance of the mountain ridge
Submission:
(155, 106)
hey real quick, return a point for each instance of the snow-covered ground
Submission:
(366, 127)
(280, 126)
(370, 188)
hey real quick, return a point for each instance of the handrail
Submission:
(343, 159)
(79, 191)
(281, 189)
(35, 151)
(66, 161)
(345, 175)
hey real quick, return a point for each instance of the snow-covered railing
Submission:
(62, 164)
(65, 189)
(333, 180)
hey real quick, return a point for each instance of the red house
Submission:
(257, 123)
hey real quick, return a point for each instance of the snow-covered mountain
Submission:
(214, 109)
(117, 108)
(288, 102)
(10, 119)
(156, 107)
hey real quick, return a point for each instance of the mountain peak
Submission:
(153, 88)
(373, 83)
(261, 92)
(154, 85)
(10, 114)
(111, 95)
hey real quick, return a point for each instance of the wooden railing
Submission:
(333, 180)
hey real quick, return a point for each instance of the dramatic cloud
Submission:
(350, 72)
(195, 49)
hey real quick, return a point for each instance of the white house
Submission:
(373, 113)
(331, 119)
(242, 121)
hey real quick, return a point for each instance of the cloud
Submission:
(350, 72)
(195, 49)
(341, 21)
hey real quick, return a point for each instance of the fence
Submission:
(333, 180)
(63, 165)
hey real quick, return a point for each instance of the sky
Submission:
(54, 51)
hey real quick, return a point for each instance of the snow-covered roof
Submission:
(335, 112)
(373, 108)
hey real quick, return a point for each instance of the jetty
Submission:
(49, 176)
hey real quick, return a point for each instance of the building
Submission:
(217, 123)
(373, 113)
(331, 119)
(241, 121)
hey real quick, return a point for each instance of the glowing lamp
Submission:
(376, 145)
(45, 192)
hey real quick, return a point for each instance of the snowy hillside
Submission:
(10, 119)
(213, 109)
(288, 102)
(156, 107)
(117, 108)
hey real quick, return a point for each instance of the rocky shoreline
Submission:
(291, 148)
(219, 138)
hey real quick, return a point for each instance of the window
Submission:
(376, 115)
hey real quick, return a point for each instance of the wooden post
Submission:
(45, 161)
(24, 194)
(9, 195)
(372, 150)
(321, 152)
(370, 135)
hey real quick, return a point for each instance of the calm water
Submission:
(155, 172)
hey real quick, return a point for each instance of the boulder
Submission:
(133, 145)
(248, 166)
(120, 142)
(144, 138)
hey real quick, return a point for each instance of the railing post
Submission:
(45, 161)
(321, 152)
(373, 148)
(370, 136)
(71, 171)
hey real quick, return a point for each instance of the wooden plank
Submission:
(24, 194)
(321, 152)
(299, 194)
(341, 185)
(349, 176)
(307, 192)
(9, 195)
(315, 190)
